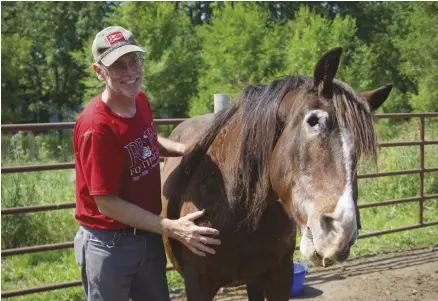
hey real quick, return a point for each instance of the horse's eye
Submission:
(313, 120)
(316, 122)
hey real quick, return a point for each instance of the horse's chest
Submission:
(263, 250)
(246, 254)
(270, 239)
(274, 236)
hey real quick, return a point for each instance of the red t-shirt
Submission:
(115, 155)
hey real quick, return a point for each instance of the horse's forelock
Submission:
(354, 112)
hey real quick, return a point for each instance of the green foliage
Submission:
(197, 49)
(37, 269)
(15, 61)
(419, 54)
(311, 35)
(240, 46)
(27, 148)
(40, 78)
(397, 102)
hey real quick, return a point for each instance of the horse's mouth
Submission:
(318, 259)
(322, 261)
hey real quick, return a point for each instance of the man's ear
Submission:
(99, 72)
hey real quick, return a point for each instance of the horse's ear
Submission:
(325, 71)
(377, 97)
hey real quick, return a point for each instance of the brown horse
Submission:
(284, 155)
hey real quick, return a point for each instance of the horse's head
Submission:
(325, 128)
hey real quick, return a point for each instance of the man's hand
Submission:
(182, 229)
(191, 235)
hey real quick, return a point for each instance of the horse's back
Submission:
(190, 130)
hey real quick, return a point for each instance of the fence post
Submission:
(221, 101)
(421, 186)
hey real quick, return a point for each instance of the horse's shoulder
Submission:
(190, 128)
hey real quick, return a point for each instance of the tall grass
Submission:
(33, 188)
(23, 189)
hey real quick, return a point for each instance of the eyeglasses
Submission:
(118, 69)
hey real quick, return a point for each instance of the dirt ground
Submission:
(404, 276)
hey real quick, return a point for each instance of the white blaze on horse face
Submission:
(344, 229)
(345, 211)
(302, 200)
(315, 125)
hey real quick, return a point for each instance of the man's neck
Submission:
(120, 104)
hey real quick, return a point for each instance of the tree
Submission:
(311, 35)
(199, 12)
(240, 46)
(15, 62)
(418, 54)
(47, 84)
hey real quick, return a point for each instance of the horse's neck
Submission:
(227, 146)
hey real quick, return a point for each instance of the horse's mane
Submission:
(257, 107)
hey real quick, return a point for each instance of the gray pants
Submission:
(117, 266)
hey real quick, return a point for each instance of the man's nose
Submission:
(129, 70)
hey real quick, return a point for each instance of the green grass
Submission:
(24, 189)
(30, 270)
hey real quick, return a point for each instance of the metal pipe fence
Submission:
(421, 171)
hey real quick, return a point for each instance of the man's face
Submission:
(125, 75)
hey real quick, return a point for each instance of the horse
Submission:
(283, 157)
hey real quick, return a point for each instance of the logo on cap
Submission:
(115, 37)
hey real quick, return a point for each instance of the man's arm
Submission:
(183, 229)
(169, 148)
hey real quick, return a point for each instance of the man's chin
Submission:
(131, 92)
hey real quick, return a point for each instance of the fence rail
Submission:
(69, 125)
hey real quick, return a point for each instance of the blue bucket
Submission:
(300, 271)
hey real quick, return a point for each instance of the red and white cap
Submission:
(111, 43)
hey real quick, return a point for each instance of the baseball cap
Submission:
(111, 43)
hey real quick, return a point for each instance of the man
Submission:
(118, 191)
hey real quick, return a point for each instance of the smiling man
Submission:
(118, 191)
